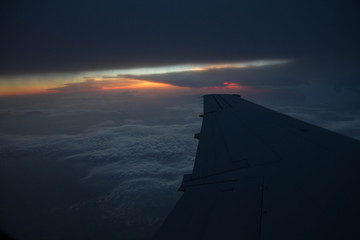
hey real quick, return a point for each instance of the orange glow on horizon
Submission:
(86, 85)
(22, 92)
(135, 83)
(6, 91)
(101, 84)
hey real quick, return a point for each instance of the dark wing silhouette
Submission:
(259, 174)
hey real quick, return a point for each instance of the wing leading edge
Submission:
(259, 174)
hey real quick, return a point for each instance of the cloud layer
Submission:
(111, 179)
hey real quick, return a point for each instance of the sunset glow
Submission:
(117, 79)
(134, 84)
(24, 89)
(15, 92)
(232, 85)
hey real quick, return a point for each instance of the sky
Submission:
(99, 100)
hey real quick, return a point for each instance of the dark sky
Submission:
(68, 36)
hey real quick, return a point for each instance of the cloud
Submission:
(261, 76)
(295, 73)
(216, 75)
(96, 85)
(87, 85)
(344, 122)
(328, 84)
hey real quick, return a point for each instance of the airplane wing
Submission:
(259, 174)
